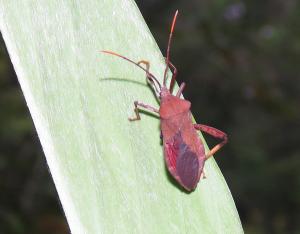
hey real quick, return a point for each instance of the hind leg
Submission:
(215, 133)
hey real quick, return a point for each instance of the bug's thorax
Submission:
(171, 106)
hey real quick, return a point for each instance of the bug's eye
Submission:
(150, 80)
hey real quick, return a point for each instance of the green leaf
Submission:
(109, 173)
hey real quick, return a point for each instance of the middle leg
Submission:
(136, 110)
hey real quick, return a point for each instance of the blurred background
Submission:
(240, 60)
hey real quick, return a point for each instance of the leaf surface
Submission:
(109, 173)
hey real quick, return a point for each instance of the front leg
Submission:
(136, 110)
(215, 133)
(179, 92)
(174, 72)
(172, 83)
(148, 75)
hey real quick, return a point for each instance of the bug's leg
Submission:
(136, 110)
(172, 83)
(215, 133)
(161, 135)
(203, 176)
(179, 92)
(174, 72)
(146, 63)
(148, 77)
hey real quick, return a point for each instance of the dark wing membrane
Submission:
(187, 167)
(182, 162)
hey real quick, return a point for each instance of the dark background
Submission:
(240, 60)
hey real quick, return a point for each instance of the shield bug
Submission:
(183, 149)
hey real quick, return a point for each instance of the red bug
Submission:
(183, 149)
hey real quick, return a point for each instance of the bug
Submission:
(184, 151)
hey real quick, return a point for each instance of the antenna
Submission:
(150, 76)
(168, 48)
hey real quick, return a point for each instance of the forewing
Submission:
(187, 167)
(182, 163)
(171, 148)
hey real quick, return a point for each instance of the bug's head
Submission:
(164, 91)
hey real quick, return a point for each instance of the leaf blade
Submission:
(109, 173)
